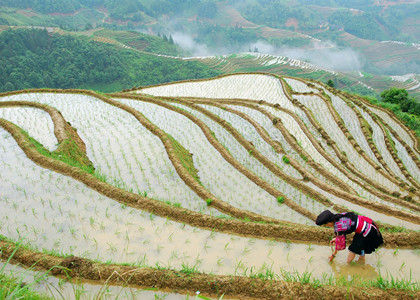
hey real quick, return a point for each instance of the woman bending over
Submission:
(367, 235)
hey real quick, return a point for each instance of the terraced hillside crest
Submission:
(207, 185)
(355, 82)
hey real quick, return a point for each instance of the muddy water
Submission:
(60, 214)
(252, 164)
(216, 174)
(243, 86)
(121, 148)
(299, 86)
(36, 122)
(57, 213)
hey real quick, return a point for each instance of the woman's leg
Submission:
(362, 257)
(350, 257)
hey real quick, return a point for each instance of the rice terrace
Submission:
(209, 188)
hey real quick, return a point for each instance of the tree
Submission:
(8, 87)
(401, 98)
(330, 83)
(394, 96)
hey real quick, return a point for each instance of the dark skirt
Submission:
(365, 245)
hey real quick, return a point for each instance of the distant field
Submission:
(355, 82)
(210, 185)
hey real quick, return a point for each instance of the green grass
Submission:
(185, 157)
(189, 270)
(105, 87)
(393, 283)
(68, 152)
(15, 288)
(140, 41)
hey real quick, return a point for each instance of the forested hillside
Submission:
(32, 58)
(384, 35)
(365, 19)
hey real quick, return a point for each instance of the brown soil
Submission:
(214, 285)
(236, 18)
(27, 13)
(292, 22)
(268, 32)
(66, 14)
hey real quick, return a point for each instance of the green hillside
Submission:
(234, 26)
(365, 19)
(32, 58)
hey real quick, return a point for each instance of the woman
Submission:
(367, 235)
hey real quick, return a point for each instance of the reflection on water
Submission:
(354, 272)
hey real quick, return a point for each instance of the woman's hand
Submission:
(331, 258)
(332, 241)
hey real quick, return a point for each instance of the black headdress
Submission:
(325, 217)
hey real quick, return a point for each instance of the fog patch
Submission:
(322, 54)
(187, 43)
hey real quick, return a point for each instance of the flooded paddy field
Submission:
(206, 179)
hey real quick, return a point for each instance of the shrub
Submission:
(280, 200)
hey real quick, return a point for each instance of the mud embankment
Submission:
(384, 127)
(214, 285)
(351, 171)
(333, 190)
(226, 155)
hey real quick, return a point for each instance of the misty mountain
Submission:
(337, 34)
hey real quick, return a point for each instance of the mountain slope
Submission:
(234, 26)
